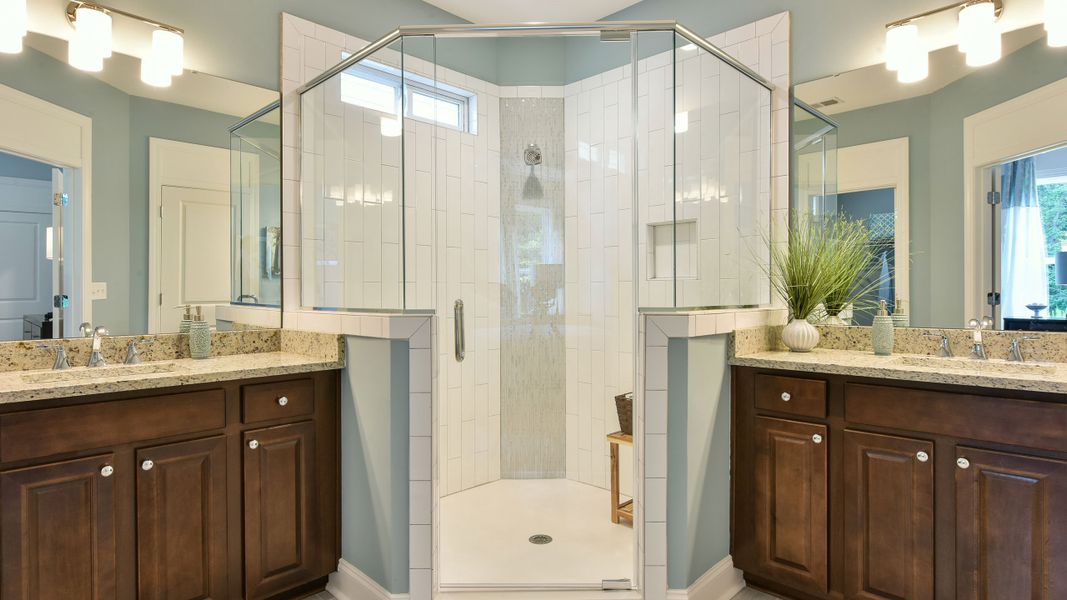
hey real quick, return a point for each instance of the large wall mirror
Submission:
(961, 178)
(120, 202)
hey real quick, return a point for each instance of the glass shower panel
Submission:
(722, 206)
(655, 167)
(421, 106)
(352, 187)
(814, 162)
(255, 203)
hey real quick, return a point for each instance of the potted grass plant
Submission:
(826, 263)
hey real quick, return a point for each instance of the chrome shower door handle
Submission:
(461, 342)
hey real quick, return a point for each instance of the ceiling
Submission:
(522, 11)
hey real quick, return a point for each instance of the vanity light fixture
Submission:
(978, 38)
(1056, 22)
(12, 25)
(92, 41)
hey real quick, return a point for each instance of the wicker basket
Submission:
(624, 405)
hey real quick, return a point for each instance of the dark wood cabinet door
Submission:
(181, 521)
(889, 517)
(281, 539)
(58, 531)
(1011, 526)
(791, 503)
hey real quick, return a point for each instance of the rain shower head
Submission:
(532, 155)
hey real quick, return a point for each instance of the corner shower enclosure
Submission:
(533, 187)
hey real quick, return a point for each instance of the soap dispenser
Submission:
(882, 331)
(187, 318)
(199, 336)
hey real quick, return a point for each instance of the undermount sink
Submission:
(984, 366)
(86, 373)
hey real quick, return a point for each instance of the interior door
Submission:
(195, 250)
(25, 270)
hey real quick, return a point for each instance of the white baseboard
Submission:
(720, 582)
(349, 583)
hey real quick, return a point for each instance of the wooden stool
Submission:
(626, 509)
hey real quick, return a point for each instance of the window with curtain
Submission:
(1024, 268)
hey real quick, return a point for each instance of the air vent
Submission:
(828, 102)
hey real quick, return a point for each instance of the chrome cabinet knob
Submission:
(963, 463)
(283, 401)
(922, 456)
(816, 438)
(786, 396)
(253, 444)
(147, 465)
(107, 471)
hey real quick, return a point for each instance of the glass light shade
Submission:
(899, 41)
(93, 27)
(914, 66)
(978, 35)
(153, 73)
(82, 57)
(1056, 22)
(12, 25)
(168, 48)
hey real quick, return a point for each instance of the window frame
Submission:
(406, 85)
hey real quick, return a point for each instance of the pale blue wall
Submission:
(698, 458)
(24, 168)
(374, 460)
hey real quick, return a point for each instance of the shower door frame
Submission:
(419, 588)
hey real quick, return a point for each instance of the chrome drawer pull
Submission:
(786, 396)
(107, 471)
(963, 463)
(922, 456)
(283, 401)
(253, 444)
(147, 465)
(816, 438)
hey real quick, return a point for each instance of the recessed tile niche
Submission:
(661, 259)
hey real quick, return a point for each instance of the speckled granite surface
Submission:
(997, 374)
(25, 371)
(25, 386)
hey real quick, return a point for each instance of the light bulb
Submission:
(168, 48)
(899, 41)
(153, 73)
(978, 35)
(94, 28)
(1056, 22)
(12, 25)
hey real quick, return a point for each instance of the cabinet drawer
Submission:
(39, 433)
(792, 395)
(279, 400)
(1001, 420)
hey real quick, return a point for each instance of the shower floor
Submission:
(485, 535)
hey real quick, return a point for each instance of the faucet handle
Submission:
(1015, 352)
(61, 355)
(133, 357)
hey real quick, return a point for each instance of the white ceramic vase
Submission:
(800, 336)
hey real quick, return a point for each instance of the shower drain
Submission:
(540, 539)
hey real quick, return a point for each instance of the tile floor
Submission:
(485, 531)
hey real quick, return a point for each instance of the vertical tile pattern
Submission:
(532, 344)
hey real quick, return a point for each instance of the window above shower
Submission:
(382, 88)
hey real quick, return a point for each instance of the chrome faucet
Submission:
(944, 349)
(978, 349)
(61, 355)
(96, 359)
(1015, 352)
(133, 357)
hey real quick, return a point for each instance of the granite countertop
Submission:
(41, 384)
(998, 374)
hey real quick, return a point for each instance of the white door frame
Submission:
(1025, 125)
(163, 171)
(38, 129)
(881, 165)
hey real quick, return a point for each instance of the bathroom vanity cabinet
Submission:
(219, 491)
(846, 487)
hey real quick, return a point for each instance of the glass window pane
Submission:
(368, 93)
